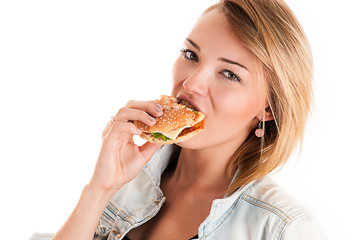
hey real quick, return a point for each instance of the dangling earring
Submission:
(259, 132)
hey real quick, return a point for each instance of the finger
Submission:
(148, 149)
(151, 107)
(122, 131)
(129, 114)
(106, 129)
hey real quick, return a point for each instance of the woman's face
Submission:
(213, 71)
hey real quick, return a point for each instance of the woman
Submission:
(247, 66)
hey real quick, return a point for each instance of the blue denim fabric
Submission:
(262, 210)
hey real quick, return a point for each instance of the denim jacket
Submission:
(261, 210)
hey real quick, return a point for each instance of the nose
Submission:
(196, 82)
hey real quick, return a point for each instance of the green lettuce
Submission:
(159, 135)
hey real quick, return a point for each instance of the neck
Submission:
(204, 169)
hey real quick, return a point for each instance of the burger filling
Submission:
(159, 135)
(170, 134)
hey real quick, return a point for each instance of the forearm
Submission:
(84, 219)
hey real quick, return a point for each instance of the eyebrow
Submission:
(232, 62)
(193, 44)
(220, 58)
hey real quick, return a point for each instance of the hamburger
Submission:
(180, 122)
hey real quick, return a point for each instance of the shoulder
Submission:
(282, 215)
(266, 194)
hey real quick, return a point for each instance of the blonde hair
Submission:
(270, 30)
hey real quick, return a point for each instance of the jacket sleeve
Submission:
(303, 227)
(41, 236)
(100, 234)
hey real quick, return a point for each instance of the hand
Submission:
(120, 159)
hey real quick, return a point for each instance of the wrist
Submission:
(97, 193)
(103, 187)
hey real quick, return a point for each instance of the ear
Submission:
(268, 116)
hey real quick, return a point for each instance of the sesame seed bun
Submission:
(176, 116)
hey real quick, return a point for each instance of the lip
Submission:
(190, 101)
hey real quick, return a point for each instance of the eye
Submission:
(189, 54)
(230, 76)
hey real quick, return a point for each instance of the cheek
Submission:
(235, 111)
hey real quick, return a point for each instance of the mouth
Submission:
(187, 103)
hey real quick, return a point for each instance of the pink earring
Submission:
(259, 132)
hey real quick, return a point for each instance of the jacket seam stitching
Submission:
(278, 229)
(135, 210)
(111, 211)
(266, 208)
(291, 214)
(138, 209)
(152, 178)
(105, 220)
(281, 231)
(125, 219)
(285, 223)
(127, 216)
(117, 210)
(111, 218)
(112, 204)
(285, 217)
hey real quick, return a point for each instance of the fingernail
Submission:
(159, 107)
(151, 118)
(139, 131)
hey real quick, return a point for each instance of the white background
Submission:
(67, 66)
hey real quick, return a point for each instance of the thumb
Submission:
(148, 149)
